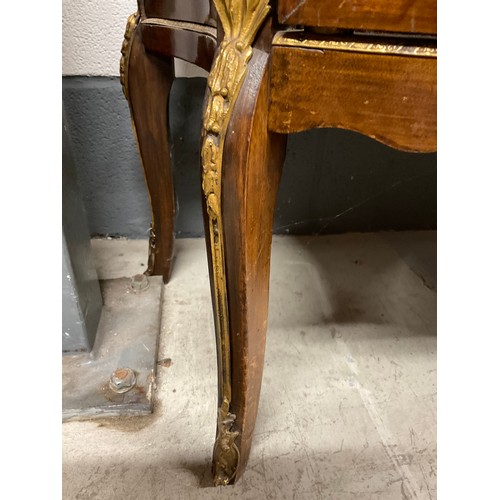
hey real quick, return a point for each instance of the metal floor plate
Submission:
(127, 337)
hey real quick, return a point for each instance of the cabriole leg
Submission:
(241, 167)
(146, 81)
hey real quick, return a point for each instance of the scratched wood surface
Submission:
(404, 16)
(388, 97)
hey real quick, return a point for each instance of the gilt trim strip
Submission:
(287, 39)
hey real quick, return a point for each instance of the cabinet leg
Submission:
(241, 164)
(146, 81)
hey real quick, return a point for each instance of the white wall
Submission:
(92, 36)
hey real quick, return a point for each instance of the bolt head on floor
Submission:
(122, 380)
(139, 283)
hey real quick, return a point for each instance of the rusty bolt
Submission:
(122, 380)
(139, 283)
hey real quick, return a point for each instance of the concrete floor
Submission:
(348, 403)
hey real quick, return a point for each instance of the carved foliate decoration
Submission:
(132, 21)
(240, 19)
(226, 452)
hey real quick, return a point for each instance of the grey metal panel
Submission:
(74, 334)
(127, 338)
(81, 294)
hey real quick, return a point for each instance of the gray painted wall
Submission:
(333, 181)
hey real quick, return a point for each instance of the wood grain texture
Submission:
(191, 46)
(149, 82)
(252, 162)
(390, 98)
(194, 11)
(404, 16)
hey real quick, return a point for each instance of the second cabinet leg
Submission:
(146, 81)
